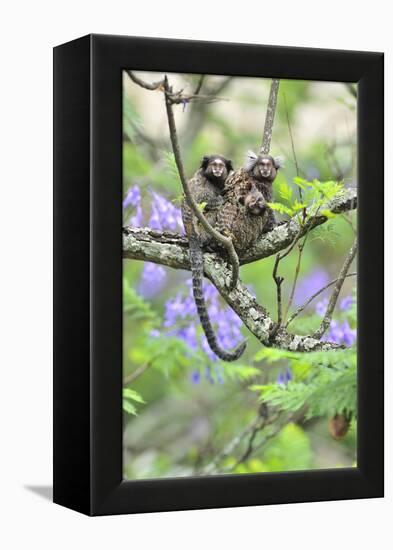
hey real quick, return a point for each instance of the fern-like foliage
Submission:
(130, 397)
(136, 307)
(315, 194)
(325, 382)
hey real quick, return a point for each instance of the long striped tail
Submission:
(196, 260)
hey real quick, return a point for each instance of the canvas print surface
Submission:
(239, 277)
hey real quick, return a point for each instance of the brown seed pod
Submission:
(339, 426)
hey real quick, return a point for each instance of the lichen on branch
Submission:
(170, 249)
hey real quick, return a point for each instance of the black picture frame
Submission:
(88, 273)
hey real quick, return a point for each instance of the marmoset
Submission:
(245, 216)
(206, 186)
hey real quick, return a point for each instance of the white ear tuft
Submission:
(250, 160)
(278, 162)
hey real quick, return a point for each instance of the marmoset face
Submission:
(217, 168)
(255, 203)
(265, 168)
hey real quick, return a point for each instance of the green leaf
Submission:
(289, 450)
(170, 165)
(328, 214)
(129, 407)
(300, 182)
(131, 118)
(240, 372)
(271, 355)
(285, 191)
(281, 208)
(135, 306)
(296, 206)
(132, 394)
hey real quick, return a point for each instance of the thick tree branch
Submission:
(170, 249)
(286, 234)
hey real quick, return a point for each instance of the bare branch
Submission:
(136, 374)
(199, 85)
(147, 85)
(297, 271)
(224, 241)
(171, 249)
(351, 89)
(175, 97)
(301, 308)
(270, 112)
(336, 291)
(278, 280)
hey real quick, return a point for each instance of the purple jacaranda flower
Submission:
(321, 306)
(284, 377)
(208, 375)
(154, 333)
(153, 279)
(164, 215)
(132, 198)
(309, 285)
(335, 333)
(180, 316)
(174, 310)
(348, 334)
(346, 303)
(189, 335)
(155, 218)
(206, 348)
(136, 219)
(195, 377)
(340, 333)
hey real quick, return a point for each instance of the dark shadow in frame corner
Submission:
(88, 269)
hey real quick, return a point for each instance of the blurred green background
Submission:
(182, 408)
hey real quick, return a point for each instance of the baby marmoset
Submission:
(245, 216)
(206, 186)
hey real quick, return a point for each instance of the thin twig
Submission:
(147, 85)
(294, 153)
(278, 280)
(300, 245)
(270, 112)
(136, 374)
(199, 85)
(297, 271)
(301, 308)
(292, 417)
(351, 89)
(336, 291)
(260, 423)
(291, 137)
(224, 241)
(227, 450)
(175, 97)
